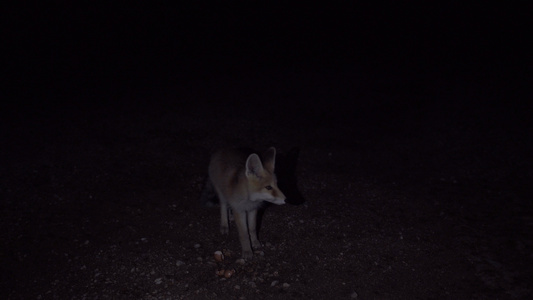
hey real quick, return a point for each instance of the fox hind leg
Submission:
(224, 226)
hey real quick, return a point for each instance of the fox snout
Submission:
(278, 199)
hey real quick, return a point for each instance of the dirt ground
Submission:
(405, 193)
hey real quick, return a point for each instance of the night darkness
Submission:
(403, 136)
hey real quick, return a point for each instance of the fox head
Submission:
(262, 182)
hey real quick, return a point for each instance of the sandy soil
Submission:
(100, 201)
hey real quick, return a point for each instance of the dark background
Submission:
(81, 50)
(393, 67)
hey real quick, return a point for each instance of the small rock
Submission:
(158, 280)
(240, 261)
(275, 282)
(237, 287)
(196, 246)
(286, 286)
(354, 295)
(226, 252)
(179, 263)
(229, 273)
(219, 257)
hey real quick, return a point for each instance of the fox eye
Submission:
(268, 187)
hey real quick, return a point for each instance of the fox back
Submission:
(242, 181)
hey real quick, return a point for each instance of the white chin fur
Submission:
(267, 198)
(278, 201)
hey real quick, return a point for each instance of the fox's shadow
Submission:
(286, 164)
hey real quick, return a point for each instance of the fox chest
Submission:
(246, 205)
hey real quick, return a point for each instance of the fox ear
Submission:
(269, 159)
(254, 167)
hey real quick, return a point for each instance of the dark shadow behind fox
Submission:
(285, 170)
(286, 165)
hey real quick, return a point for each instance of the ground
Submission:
(101, 200)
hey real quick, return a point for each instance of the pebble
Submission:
(286, 286)
(219, 256)
(274, 283)
(179, 263)
(158, 280)
(240, 261)
(354, 295)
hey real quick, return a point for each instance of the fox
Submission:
(243, 182)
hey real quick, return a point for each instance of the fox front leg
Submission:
(240, 220)
(252, 227)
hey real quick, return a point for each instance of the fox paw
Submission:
(257, 245)
(224, 229)
(248, 254)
